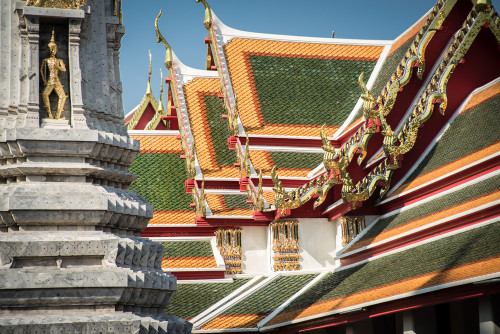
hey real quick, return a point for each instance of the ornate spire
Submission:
(52, 39)
(149, 91)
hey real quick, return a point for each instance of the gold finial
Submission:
(484, 5)
(52, 39)
(149, 91)
(207, 22)
(160, 38)
(160, 106)
(333, 33)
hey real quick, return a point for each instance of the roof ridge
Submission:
(229, 33)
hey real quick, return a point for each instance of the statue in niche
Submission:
(52, 83)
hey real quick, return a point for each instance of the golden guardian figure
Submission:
(52, 83)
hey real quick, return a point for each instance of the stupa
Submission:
(71, 256)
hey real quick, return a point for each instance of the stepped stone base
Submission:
(94, 322)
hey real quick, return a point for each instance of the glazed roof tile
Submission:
(172, 217)
(391, 62)
(276, 83)
(160, 181)
(187, 303)
(268, 196)
(158, 144)
(209, 129)
(188, 262)
(229, 205)
(457, 257)
(481, 112)
(294, 164)
(183, 249)
(408, 35)
(251, 310)
(466, 198)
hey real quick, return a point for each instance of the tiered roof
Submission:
(254, 150)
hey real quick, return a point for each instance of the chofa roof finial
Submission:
(207, 22)
(160, 38)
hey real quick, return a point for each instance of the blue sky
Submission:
(182, 26)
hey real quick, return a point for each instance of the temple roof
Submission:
(469, 255)
(147, 115)
(161, 175)
(428, 131)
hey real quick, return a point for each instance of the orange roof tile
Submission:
(448, 168)
(417, 223)
(269, 196)
(158, 144)
(235, 321)
(194, 93)
(481, 97)
(173, 217)
(219, 206)
(237, 51)
(468, 159)
(457, 273)
(410, 34)
(189, 262)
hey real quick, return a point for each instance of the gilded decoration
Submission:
(63, 4)
(200, 199)
(51, 81)
(395, 146)
(229, 245)
(285, 245)
(351, 227)
(160, 111)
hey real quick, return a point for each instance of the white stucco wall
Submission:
(255, 248)
(318, 240)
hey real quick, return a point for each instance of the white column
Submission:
(349, 329)
(23, 73)
(486, 321)
(408, 324)
(78, 119)
(33, 27)
(5, 83)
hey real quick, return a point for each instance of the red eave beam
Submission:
(220, 222)
(198, 274)
(178, 231)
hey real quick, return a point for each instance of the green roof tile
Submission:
(296, 159)
(467, 193)
(191, 299)
(160, 180)
(468, 246)
(219, 131)
(483, 117)
(237, 202)
(389, 67)
(272, 295)
(308, 91)
(187, 248)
